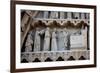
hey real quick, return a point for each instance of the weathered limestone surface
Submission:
(55, 44)
(30, 56)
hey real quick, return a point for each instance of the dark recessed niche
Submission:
(48, 60)
(60, 59)
(71, 58)
(24, 61)
(82, 58)
(36, 60)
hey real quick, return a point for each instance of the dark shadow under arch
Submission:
(60, 59)
(24, 61)
(71, 58)
(82, 58)
(36, 60)
(48, 60)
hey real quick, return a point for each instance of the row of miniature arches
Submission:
(48, 59)
(61, 23)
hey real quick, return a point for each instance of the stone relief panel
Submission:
(54, 36)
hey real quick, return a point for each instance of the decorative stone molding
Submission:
(42, 56)
(73, 24)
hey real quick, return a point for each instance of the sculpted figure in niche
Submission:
(46, 46)
(54, 41)
(37, 41)
(29, 43)
(59, 39)
(42, 36)
(62, 39)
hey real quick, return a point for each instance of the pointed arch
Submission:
(48, 59)
(68, 24)
(36, 60)
(24, 61)
(82, 58)
(60, 59)
(54, 24)
(71, 58)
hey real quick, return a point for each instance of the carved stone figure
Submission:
(42, 36)
(62, 39)
(29, 43)
(54, 41)
(46, 46)
(37, 41)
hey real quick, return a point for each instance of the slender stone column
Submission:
(69, 14)
(54, 15)
(82, 16)
(61, 15)
(84, 33)
(76, 14)
(65, 15)
(45, 14)
(87, 15)
(65, 34)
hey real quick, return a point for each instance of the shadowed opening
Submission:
(36, 60)
(48, 59)
(71, 58)
(60, 59)
(82, 58)
(24, 61)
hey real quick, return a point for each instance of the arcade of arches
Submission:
(54, 36)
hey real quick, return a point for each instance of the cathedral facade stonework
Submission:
(54, 36)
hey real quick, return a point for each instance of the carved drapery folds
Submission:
(55, 36)
(57, 39)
